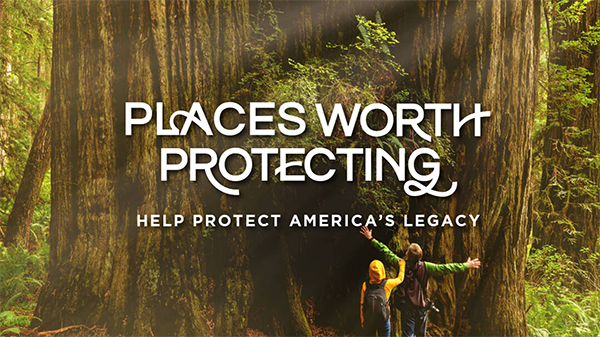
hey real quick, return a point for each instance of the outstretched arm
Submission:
(449, 268)
(388, 256)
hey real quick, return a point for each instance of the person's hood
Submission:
(376, 272)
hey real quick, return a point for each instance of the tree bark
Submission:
(235, 287)
(103, 269)
(478, 52)
(19, 221)
(299, 322)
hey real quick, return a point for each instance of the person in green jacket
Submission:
(414, 302)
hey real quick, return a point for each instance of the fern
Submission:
(22, 275)
(557, 306)
(13, 330)
(12, 319)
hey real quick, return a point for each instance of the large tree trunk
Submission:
(104, 270)
(562, 113)
(235, 286)
(19, 222)
(234, 281)
(469, 52)
(472, 52)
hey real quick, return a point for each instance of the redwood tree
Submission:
(104, 270)
(38, 161)
(568, 217)
(478, 52)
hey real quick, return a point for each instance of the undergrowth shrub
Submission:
(22, 273)
(562, 294)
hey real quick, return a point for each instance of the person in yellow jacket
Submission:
(374, 307)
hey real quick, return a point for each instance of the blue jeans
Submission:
(413, 320)
(378, 329)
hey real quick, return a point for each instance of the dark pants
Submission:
(414, 320)
(382, 329)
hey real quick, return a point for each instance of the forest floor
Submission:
(563, 296)
(73, 331)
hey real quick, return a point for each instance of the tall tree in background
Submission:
(38, 161)
(25, 54)
(569, 201)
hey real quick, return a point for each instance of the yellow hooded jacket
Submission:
(376, 275)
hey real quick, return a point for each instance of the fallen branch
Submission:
(67, 328)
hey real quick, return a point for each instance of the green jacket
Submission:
(432, 269)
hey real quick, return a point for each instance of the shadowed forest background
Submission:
(72, 260)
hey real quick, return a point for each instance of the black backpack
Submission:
(375, 306)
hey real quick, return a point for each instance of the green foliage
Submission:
(374, 37)
(563, 314)
(25, 57)
(13, 330)
(567, 12)
(25, 54)
(14, 320)
(563, 161)
(570, 89)
(584, 44)
(362, 72)
(555, 305)
(22, 274)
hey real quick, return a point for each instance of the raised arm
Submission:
(396, 281)
(388, 256)
(449, 268)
